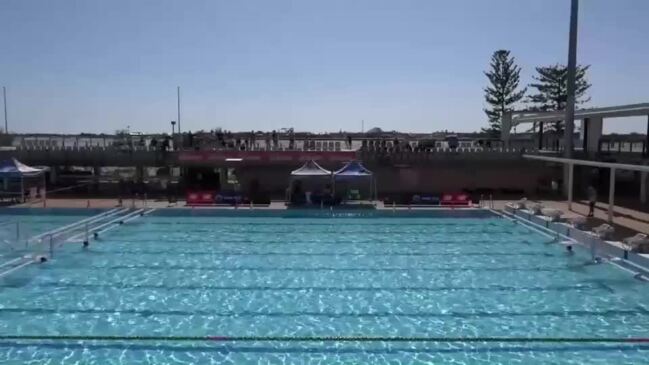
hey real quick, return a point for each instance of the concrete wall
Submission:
(431, 178)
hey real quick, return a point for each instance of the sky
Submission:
(325, 65)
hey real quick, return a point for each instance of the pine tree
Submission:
(552, 89)
(502, 93)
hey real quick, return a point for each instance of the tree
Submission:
(552, 89)
(502, 93)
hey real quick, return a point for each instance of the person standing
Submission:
(592, 199)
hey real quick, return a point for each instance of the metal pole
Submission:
(178, 93)
(611, 195)
(646, 144)
(572, 70)
(571, 169)
(4, 96)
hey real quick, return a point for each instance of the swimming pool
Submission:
(353, 275)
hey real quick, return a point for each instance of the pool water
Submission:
(274, 276)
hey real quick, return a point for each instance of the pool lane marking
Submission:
(327, 339)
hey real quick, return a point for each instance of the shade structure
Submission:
(17, 178)
(310, 168)
(309, 178)
(15, 168)
(354, 170)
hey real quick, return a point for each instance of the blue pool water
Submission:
(274, 276)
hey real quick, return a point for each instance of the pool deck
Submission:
(626, 221)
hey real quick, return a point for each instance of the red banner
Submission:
(265, 156)
(200, 197)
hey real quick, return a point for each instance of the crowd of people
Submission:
(287, 140)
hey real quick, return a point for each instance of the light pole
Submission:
(4, 96)
(178, 95)
(173, 123)
(572, 70)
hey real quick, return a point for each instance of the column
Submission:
(611, 195)
(643, 187)
(647, 137)
(505, 128)
(584, 133)
(139, 173)
(571, 169)
(54, 174)
(594, 128)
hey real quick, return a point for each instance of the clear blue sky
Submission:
(412, 65)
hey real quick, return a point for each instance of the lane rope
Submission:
(326, 339)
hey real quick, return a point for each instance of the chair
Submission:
(552, 213)
(535, 208)
(636, 242)
(578, 221)
(604, 231)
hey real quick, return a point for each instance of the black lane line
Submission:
(349, 349)
(505, 288)
(328, 314)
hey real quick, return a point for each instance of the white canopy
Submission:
(311, 168)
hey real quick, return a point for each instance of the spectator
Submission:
(275, 139)
(267, 141)
(291, 140)
(165, 144)
(349, 142)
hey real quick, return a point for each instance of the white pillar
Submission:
(571, 169)
(611, 195)
(643, 187)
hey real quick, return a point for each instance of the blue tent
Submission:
(355, 170)
(22, 175)
(15, 168)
